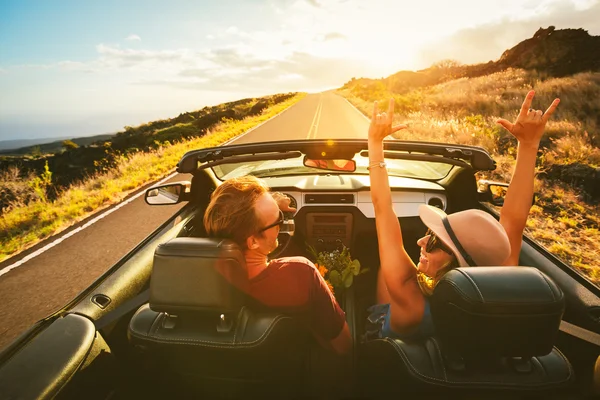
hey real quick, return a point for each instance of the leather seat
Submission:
(202, 331)
(495, 328)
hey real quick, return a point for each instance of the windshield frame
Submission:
(430, 168)
(475, 157)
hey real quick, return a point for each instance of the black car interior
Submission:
(498, 329)
(207, 337)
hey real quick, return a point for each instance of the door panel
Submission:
(583, 303)
(46, 364)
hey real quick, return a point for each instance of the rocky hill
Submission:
(557, 52)
(554, 52)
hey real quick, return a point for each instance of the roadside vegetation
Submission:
(35, 206)
(566, 218)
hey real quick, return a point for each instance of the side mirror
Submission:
(331, 165)
(495, 192)
(169, 193)
(492, 192)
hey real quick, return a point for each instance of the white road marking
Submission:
(389, 137)
(357, 110)
(110, 211)
(77, 230)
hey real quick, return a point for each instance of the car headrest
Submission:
(198, 274)
(482, 312)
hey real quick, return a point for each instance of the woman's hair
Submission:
(427, 283)
(450, 266)
(231, 213)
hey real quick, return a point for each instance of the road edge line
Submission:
(58, 240)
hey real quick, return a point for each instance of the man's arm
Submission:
(343, 342)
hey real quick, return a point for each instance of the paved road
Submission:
(48, 281)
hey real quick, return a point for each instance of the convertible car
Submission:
(167, 322)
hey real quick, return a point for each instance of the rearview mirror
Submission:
(331, 165)
(169, 193)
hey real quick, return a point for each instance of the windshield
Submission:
(294, 166)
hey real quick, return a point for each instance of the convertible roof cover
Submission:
(478, 158)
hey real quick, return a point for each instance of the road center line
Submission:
(318, 121)
(312, 131)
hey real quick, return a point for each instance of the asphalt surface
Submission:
(48, 281)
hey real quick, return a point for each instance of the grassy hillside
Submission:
(35, 206)
(566, 216)
(451, 102)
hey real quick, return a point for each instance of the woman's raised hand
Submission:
(283, 202)
(530, 123)
(381, 123)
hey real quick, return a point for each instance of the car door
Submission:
(68, 354)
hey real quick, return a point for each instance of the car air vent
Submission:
(329, 198)
(436, 202)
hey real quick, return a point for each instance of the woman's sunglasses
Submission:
(434, 242)
(279, 222)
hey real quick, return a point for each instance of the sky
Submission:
(76, 68)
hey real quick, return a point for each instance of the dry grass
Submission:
(465, 111)
(23, 227)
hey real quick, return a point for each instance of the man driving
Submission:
(245, 211)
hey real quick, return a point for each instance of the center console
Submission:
(329, 231)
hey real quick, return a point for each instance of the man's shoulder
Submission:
(293, 265)
(298, 261)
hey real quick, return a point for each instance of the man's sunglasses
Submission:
(434, 242)
(279, 222)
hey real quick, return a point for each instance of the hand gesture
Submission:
(530, 124)
(283, 202)
(381, 124)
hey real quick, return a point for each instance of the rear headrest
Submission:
(198, 274)
(482, 312)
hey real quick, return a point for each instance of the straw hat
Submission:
(482, 238)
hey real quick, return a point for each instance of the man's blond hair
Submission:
(231, 213)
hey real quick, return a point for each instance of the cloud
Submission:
(133, 37)
(233, 58)
(487, 42)
(334, 36)
(235, 70)
(74, 66)
(116, 58)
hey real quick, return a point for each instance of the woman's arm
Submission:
(528, 129)
(399, 272)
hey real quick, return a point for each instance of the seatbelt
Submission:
(580, 333)
(125, 308)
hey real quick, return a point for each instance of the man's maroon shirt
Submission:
(294, 286)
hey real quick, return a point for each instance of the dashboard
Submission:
(332, 209)
(329, 219)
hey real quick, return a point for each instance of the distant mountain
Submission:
(49, 145)
(17, 143)
(555, 52)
